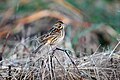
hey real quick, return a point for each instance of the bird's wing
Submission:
(55, 31)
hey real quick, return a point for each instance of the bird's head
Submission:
(59, 25)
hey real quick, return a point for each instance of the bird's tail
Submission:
(38, 48)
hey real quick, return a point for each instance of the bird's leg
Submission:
(37, 49)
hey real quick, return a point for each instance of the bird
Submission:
(53, 37)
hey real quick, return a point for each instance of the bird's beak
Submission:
(63, 25)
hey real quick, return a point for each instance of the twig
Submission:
(3, 48)
(44, 13)
(9, 73)
(51, 67)
(80, 72)
(59, 63)
(113, 50)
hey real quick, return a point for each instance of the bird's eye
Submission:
(59, 26)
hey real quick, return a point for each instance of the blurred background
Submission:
(90, 24)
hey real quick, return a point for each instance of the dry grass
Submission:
(58, 64)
